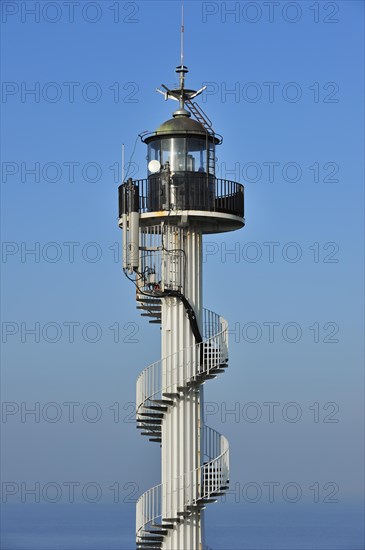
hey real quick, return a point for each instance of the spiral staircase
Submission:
(156, 393)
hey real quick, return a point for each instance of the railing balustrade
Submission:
(191, 191)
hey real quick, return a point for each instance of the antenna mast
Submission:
(182, 35)
(182, 70)
(181, 94)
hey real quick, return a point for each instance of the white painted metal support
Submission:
(181, 439)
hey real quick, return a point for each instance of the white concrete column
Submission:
(182, 452)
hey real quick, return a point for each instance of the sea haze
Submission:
(228, 527)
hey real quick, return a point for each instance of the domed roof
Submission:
(181, 124)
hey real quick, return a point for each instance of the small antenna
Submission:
(182, 35)
(122, 162)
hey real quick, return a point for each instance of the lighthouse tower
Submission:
(164, 218)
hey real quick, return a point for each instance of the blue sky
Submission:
(312, 207)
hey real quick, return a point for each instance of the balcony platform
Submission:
(209, 222)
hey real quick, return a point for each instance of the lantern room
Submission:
(183, 143)
(182, 153)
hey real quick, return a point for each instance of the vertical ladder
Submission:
(205, 121)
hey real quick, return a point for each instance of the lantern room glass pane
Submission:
(173, 151)
(196, 155)
(154, 151)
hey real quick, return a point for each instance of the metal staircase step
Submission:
(152, 435)
(197, 506)
(151, 429)
(156, 408)
(163, 401)
(152, 538)
(148, 299)
(159, 531)
(151, 315)
(200, 378)
(149, 420)
(206, 500)
(164, 526)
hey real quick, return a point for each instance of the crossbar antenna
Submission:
(181, 94)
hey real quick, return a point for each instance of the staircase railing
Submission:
(185, 365)
(166, 503)
(193, 489)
